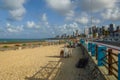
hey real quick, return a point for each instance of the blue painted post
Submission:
(101, 55)
(82, 42)
(89, 47)
(119, 66)
(93, 49)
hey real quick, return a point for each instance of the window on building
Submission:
(117, 35)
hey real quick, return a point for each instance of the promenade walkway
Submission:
(68, 71)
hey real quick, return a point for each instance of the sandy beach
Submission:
(40, 63)
(22, 64)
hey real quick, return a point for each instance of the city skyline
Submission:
(48, 18)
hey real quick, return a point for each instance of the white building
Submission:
(86, 31)
(106, 27)
(117, 36)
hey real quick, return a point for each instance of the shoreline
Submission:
(24, 45)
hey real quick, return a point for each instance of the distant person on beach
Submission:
(76, 43)
(71, 44)
(86, 44)
(66, 51)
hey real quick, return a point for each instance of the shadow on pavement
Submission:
(47, 72)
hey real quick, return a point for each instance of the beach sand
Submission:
(23, 64)
(42, 63)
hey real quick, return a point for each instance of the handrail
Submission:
(109, 46)
(110, 59)
(111, 53)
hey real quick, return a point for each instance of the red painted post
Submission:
(110, 61)
(96, 52)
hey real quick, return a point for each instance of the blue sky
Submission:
(48, 18)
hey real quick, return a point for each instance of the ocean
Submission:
(25, 40)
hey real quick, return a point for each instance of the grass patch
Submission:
(5, 46)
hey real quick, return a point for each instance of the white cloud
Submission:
(95, 5)
(45, 20)
(70, 15)
(17, 14)
(14, 4)
(60, 5)
(44, 17)
(63, 7)
(11, 28)
(15, 8)
(112, 14)
(66, 28)
(82, 19)
(96, 21)
(32, 24)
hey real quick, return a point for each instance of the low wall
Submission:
(91, 68)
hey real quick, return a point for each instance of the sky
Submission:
(48, 18)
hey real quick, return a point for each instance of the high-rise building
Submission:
(86, 32)
(94, 29)
(77, 33)
(112, 29)
(118, 28)
(106, 27)
(103, 30)
(99, 31)
(90, 32)
(73, 33)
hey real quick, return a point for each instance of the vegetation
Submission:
(17, 45)
(5, 46)
(106, 33)
(24, 44)
(94, 35)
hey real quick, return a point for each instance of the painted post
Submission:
(119, 66)
(89, 47)
(93, 49)
(101, 55)
(110, 61)
(82, 42)
(96, 50)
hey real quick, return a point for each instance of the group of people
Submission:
(68, 48)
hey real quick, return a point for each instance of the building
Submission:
(106, 27)
(118, 28)
(86, 32)
(111, 29)
(94, 29)
(117, 36)
(76, 34)
(73, 33)
(99, 31)
(90, 32)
